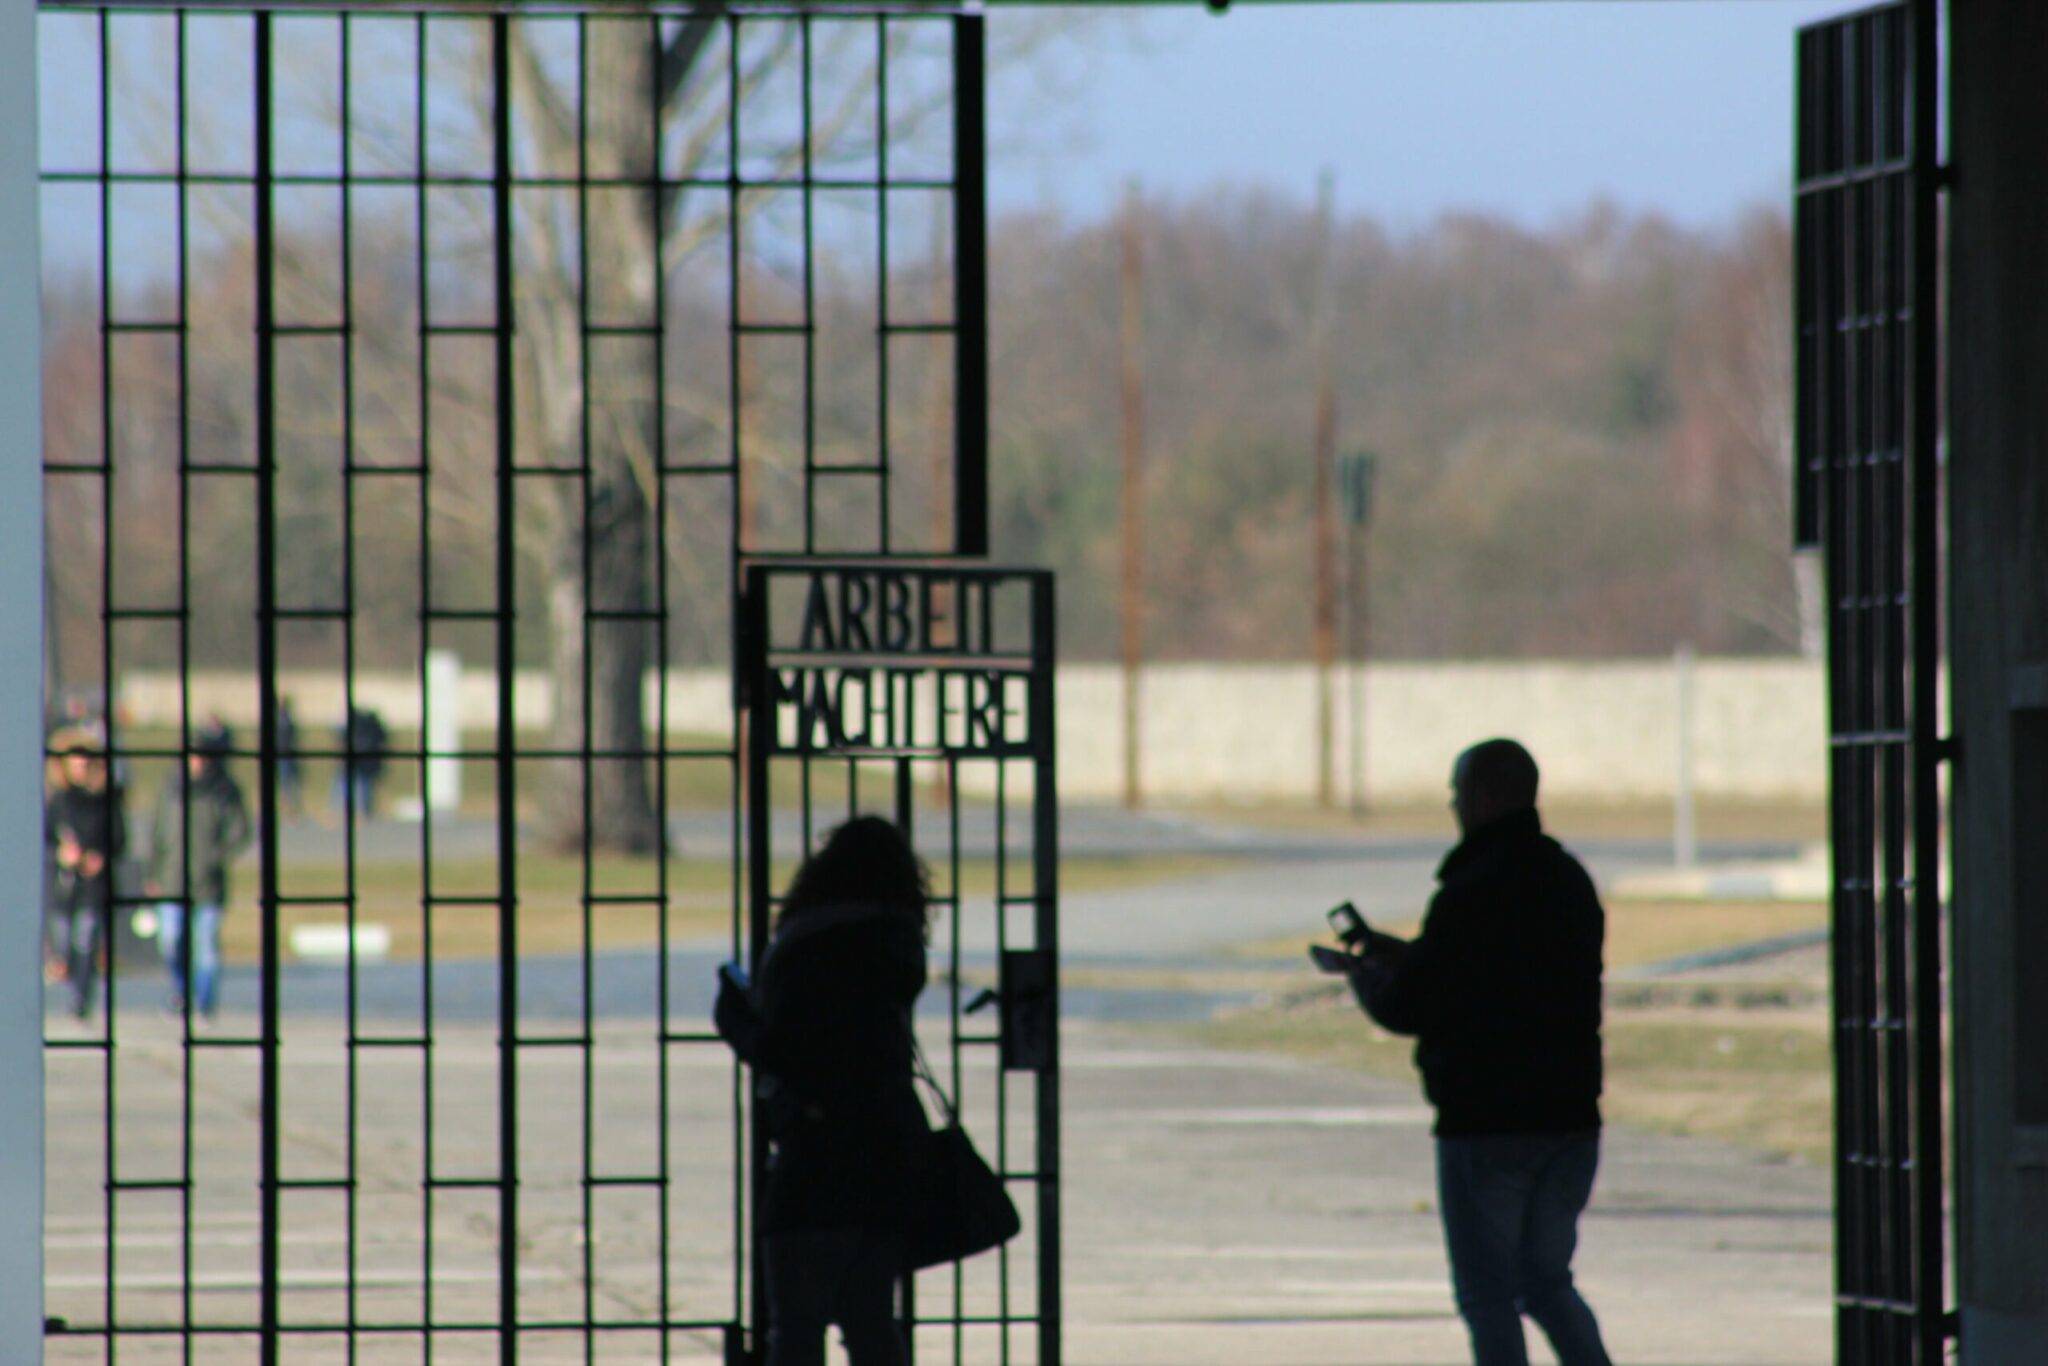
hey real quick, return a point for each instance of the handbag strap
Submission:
(923, 1071)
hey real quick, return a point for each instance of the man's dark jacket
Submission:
(1502, 987)
(208, 816)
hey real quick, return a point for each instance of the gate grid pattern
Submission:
(1867, 495)
(876, 680)
(450, 361)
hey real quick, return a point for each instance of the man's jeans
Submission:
(76, 934)
(205, 952)
(1511, 1206)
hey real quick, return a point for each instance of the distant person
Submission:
(83, 827)
(56, 881)
(364, 741)
(826, 1026)
(1502, 991)
(202, 824)
(291, 792)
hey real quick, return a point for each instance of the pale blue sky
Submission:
(1528, 109)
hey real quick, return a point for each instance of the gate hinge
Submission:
(1944, 175)
(1946, 749)
(1952, 1325)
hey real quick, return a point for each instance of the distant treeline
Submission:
(1582, 433)
(1582, 436)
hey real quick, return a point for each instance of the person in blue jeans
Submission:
(202, 825)
(1501, 990)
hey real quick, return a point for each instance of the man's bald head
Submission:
(1493, 778)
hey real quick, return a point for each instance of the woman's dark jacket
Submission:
(208, 816)
(827, 1029)
(1502, 987)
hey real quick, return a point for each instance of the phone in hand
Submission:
(733, 975)
(1348, 925)
(1337, 961)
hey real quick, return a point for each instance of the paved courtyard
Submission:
(1220, 1208)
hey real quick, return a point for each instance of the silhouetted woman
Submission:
(826, 1026)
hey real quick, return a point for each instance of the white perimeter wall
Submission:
(1602, 731)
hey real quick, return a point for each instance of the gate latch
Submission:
(1029, 1015)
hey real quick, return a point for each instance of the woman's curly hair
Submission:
(867, 859)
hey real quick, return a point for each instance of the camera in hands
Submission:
(1353, 935)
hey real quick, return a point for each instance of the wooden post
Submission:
(1323, 630)
(1355, 609)
(1131, 600)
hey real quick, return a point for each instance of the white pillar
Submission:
(21, 696)
(1684, 833)
(443, 730)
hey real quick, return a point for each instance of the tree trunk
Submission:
(621, 808)
(603, 551)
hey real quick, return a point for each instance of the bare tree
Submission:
(649, 103)
(598, 265)
(1732, 439)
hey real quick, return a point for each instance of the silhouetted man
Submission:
(1502, 991)
(364, 740)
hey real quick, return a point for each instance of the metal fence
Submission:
(1867, 495)
(878, 680)
(382, 333)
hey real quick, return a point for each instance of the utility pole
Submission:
(1356, 475)
(1324, 626)
(1130, 345)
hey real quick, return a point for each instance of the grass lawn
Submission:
(699, 896)
(1759, 1077)
(1642, 931)
(1803, 822)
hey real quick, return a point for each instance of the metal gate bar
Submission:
(796, 692)
(1866, 494)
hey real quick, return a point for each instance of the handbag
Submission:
(959, 1206)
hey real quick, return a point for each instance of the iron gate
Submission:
(901, 684)
(443, 361)
(1867, 495)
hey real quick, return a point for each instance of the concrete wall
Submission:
(700, 700)
(1603, 731)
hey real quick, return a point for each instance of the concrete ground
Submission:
(1228, 1208)
(1217, 1208)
